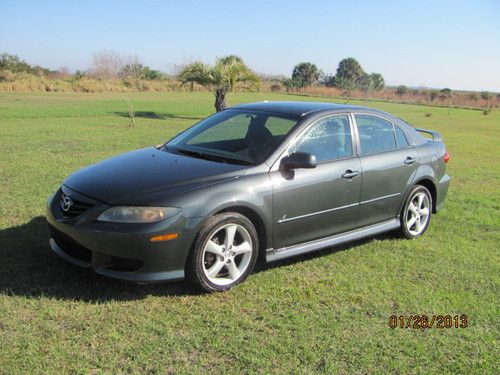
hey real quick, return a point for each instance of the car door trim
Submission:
(284, 220)
(380, 198)
(307, 247)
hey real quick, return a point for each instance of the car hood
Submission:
(145, 176)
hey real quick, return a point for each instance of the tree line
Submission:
(225, 76)
(221, 78)
(230, 71)
(105, 65)
(349, 76)
(15, 64)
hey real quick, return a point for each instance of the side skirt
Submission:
(307, 247)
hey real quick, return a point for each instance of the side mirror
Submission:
(299, 160)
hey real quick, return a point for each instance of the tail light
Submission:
(446, 157)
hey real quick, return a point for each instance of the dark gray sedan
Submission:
(274, 178)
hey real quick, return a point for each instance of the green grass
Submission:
(326, 312)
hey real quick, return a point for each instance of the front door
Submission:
(315, 203)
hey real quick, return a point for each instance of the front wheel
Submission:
(416, 213)
(224, 253)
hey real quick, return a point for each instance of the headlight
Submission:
(133, 214)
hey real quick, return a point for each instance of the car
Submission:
(267, 181)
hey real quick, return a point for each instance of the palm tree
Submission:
(305, 74)
(222, 78)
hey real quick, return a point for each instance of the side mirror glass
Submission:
(299, 160)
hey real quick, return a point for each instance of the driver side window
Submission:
(329, 139)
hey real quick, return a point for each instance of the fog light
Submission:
(165, 237)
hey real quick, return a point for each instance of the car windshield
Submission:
(235, 136)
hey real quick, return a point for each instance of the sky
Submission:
(436, 44)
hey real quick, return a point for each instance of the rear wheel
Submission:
(224, 253)
(416, 214)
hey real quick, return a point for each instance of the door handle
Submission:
(350, 174)
(409, 160)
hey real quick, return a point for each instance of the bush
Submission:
(485, 95)
(154, 75)
(275, 87)
(343, 83)
(401, 90)
(445, 93)
(290, 84)
(78, 75)
(472, 96)
(7, 76)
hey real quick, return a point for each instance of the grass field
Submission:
(325, 313)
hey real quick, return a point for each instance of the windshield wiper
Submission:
(213, 157)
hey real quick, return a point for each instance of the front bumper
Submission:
(121, 251)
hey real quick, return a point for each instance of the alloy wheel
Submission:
(417, 213)
(227, 254)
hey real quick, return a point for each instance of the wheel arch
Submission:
(429, 184)
(256, 220)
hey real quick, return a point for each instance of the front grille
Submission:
(125, 265)
(76, 207)
(74, 249)
(69, 246)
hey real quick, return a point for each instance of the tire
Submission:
(217, 264)
(416, 213)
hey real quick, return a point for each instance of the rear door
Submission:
(315, 203)
(388, 163)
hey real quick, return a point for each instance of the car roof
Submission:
(300, 108)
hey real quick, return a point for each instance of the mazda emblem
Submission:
(66, 203)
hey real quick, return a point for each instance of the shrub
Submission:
(289, 84)
(446, 91)
(7, 76)
(401, 90)
(485, 95)
(275, 87)
(153, 75)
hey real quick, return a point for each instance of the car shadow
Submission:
(156, 115)
(29, 268)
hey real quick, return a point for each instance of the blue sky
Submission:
(436, 43)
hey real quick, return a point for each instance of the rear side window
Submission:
(375, 134)
(279, 125)
(401, 140)
(328, 138)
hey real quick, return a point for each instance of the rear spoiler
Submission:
(435, 135)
